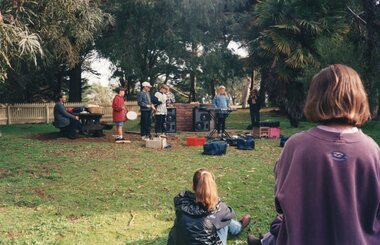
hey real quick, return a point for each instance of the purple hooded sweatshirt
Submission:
(328, 189)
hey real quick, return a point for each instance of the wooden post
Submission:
(8, 115)
(47, 113)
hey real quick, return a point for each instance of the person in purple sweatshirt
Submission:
(327, 179)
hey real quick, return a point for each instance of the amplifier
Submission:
(201, 120)
(171, 121)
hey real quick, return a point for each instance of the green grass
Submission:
(60, 192)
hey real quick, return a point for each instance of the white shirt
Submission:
(161, 109)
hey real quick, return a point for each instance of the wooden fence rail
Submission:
(44, 112)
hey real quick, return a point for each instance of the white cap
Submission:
(146, 84)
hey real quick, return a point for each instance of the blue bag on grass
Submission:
(245, 143)
(215, 148)
(283, 140)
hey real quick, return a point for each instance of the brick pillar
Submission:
(184, 116)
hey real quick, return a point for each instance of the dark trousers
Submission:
(221, 121)
(145, 123)
(160, 124)
(255, 115)
(70, 130)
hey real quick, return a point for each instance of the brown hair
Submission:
(205, 189)
(164, 86)
(337, 94)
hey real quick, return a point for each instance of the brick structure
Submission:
(184, 116)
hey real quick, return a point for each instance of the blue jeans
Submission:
(234, 228)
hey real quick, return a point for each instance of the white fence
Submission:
(44, 112)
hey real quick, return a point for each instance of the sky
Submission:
(105, 68)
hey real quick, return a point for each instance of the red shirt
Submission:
(118, 112)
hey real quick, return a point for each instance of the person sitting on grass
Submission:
(66, 122)
(118, 112)
(201, 217)
(327, 179)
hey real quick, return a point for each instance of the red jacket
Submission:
(119, 111)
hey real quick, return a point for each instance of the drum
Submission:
(131, 115)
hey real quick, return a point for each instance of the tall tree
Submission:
(66, 29)
(169, 38)
(286, 32)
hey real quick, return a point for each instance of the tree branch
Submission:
(357, 16)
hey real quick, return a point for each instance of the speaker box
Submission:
(171, 121)
(201, 120)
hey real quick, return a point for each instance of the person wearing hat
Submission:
(118, 112)
(145, 102)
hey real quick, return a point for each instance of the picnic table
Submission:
(91, 123)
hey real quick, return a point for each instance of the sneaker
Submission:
(252, 240)
(144, 138)
(119, 139)
(245, 220)
(163, 136)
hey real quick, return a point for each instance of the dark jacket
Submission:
(195, 225)
(144, 101)
(61, 116)
(256, 105)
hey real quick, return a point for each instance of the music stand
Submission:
(214, 116)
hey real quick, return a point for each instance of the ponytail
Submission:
(205, 189)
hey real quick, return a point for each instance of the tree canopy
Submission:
(186, 43)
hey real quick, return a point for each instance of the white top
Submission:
(161, 109)
(339, 130)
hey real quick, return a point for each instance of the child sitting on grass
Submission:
(201, 217)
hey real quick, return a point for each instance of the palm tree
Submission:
(285, 46)
(16, 41)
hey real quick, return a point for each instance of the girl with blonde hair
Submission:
(221, 103)
(201, 217)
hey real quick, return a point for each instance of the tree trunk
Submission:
(212, 88)
(372, 56)
(60, 76)
(253, 77)
(245, 92)
(75, 93)
(192, 87)
(264, 83)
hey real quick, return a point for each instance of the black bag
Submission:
(283, 140)
(245, 143)
(78, 109)
(232, 141)
(215, 148)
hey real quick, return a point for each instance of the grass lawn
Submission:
(82, 192)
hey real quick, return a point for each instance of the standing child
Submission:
(161, 110)
(145, 102)
(222, 102)
(119, 110)
(327, 179)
